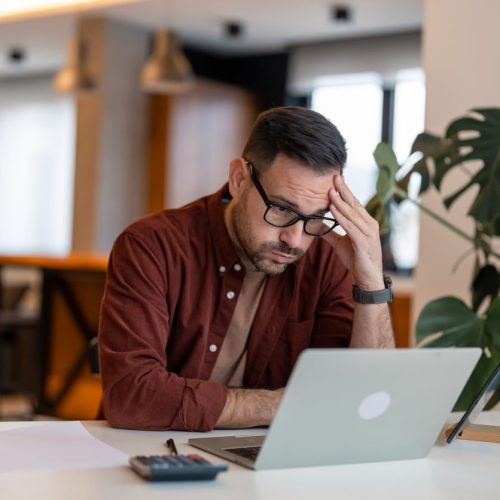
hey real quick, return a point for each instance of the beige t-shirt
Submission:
(230, 365)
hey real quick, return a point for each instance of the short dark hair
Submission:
(299, 133)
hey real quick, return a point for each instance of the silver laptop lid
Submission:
(355, 405)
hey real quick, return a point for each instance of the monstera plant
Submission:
(449, 321)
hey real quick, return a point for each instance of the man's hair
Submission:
(300, 134)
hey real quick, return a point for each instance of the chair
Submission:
(18, 345)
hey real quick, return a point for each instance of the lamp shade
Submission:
(167, 71)
(72, 76)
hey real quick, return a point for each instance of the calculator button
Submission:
(197, 459)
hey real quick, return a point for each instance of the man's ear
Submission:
(238, 176)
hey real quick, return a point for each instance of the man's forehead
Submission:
(298, 186)
(286, 170)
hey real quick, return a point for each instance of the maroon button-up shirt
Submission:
(172, 285)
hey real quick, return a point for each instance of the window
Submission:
(355, 104)
(409, 114)
(409, 111)
(36, 168)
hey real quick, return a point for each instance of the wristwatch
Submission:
(375, 297)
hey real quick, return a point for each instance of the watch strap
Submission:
(374, 297)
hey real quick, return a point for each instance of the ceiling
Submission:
(267, 25)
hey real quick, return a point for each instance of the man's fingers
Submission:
(345, 192)
(345, 203)
(347, 216)
(351, 228)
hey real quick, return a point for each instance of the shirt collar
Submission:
(225, 252)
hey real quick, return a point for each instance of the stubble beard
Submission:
(246, 239)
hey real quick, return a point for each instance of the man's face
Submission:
(271, 249)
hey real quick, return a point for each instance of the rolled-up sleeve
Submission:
(139, 391)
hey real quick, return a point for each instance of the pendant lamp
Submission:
(72, 77)
(167, 71)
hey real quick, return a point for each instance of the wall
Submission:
(208, 127)
(111, 128)
(191, 139)
(461, 60)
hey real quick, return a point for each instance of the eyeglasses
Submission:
(279, 215)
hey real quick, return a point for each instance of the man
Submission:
(207, 307)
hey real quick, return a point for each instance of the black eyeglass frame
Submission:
(300, 216)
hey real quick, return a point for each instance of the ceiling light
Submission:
(18, 9)
(233, 29)
(72, 77)
(16, 55)
(168, 70)
(342, 13)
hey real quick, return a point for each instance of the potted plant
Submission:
(449, 321)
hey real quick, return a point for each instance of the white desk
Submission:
(464, 470)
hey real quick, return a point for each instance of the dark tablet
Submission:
(489, 392)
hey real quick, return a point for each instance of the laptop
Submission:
(344, 406)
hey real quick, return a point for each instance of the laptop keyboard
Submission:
(250, 452)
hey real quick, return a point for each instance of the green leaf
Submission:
(490, 119)
(485, 284)
(484, 125)
(461, 327)
(384, 184)
(479, 178)
(440, 150)
(388, 166)
(385, 156)
(445, 159)
(479, 376)
(429, 145)
(379, 212)
(485, 207)
(475, 136)
(378, 205)
(451, 316)
(492, 324)
(467, 335)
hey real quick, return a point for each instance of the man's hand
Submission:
(361, 253)
(249, 408)
(360, 250)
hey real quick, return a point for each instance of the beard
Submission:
(264, 265)
(246, 240)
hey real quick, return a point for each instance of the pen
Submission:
(171, 446)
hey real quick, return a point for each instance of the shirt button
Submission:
(230, 295)
(212, 348)
(222, 269)
(237, 267)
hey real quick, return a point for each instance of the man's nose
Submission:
(292, 235)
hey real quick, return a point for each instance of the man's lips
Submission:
(282, 258)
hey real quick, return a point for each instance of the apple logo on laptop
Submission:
(374, 405)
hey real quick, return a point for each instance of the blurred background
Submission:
(112, 109)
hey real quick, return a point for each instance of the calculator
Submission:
(175, 467)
